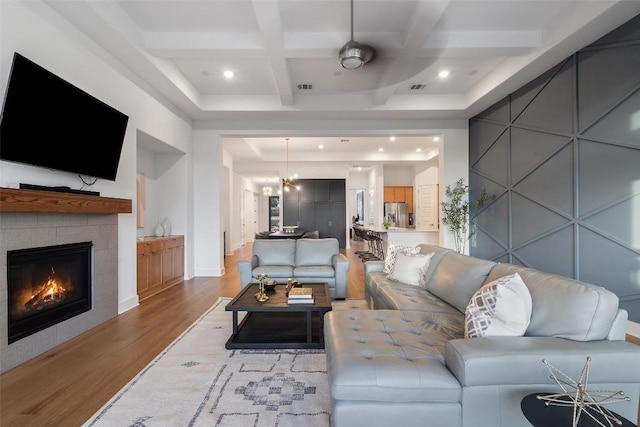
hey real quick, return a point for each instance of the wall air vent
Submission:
(417, 86)
(305, 86)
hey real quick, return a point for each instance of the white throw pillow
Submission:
(410, 269)
(499, 308)
(392, 250)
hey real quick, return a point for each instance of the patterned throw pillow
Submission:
(499, 308)
(392, 250)
(410, 269)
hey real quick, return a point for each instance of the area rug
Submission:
(195, 381)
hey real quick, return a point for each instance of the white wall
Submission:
(453, 165)
(208, 203)
(398, 175)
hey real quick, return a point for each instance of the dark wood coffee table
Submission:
(275, 323)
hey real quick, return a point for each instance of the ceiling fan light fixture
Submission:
(354, 55)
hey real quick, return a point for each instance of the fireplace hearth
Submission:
(46, 286)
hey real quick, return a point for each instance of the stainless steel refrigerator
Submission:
(396, 214)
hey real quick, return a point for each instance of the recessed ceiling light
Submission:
(321, 147)
(392, 138)
(443, 74)
(228, 74)
(380, 150)
(418, 150)
(359, 168)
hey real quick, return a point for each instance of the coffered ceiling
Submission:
(283, 56)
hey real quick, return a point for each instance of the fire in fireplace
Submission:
(46, 286)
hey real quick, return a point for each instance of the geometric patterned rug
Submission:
(196, 382)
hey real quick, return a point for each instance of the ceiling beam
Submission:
(268, 18)
(424, 19)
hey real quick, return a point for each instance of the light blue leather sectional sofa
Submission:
(305, 260)
(407, 363)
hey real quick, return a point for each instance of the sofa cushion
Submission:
(410, 269)
(438, 253)
(393, 250)
(275, 252)
(315, 251)
(457, 277)
(499, 308)
(390, 355)
(563, 307)
(314, 271)
(406, 297)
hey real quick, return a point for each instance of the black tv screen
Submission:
(46, 121)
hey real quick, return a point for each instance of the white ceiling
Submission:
(178, 50)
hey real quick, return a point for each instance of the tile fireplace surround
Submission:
(23, 229)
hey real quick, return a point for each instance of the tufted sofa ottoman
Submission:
(389, 365)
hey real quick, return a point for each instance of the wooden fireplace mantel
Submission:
(21, 200)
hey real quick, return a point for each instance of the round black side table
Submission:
(541, 415)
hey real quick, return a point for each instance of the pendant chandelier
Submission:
(288, 181)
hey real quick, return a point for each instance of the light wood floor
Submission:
(68, 384)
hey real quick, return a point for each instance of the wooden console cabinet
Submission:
(160, 264)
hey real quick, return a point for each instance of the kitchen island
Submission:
(404, 236)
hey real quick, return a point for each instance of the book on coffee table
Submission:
(300, 301)
(300, 293)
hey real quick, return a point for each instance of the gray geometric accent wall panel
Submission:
(561, 158)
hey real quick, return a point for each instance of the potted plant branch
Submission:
(455, 214)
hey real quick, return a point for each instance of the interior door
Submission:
(256, 216)
(248, 233)
(427, 207)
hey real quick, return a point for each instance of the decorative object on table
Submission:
(261, 295)
(585, 401)
(158, 231)
(166, 227)
(455, 214)
(300, 296)
(290, 284)
(270, 285)
(386, 224)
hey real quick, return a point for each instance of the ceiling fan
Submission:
(353, 54)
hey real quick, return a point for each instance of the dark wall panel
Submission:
(561, 155)
(319, 205)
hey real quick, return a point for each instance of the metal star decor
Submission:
(576, 394)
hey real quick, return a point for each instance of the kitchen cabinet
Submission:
(160, 263)
(399, 194)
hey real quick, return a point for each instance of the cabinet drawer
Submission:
(173, 242)
(150, 246)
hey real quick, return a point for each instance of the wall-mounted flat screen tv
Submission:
(48, 122)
